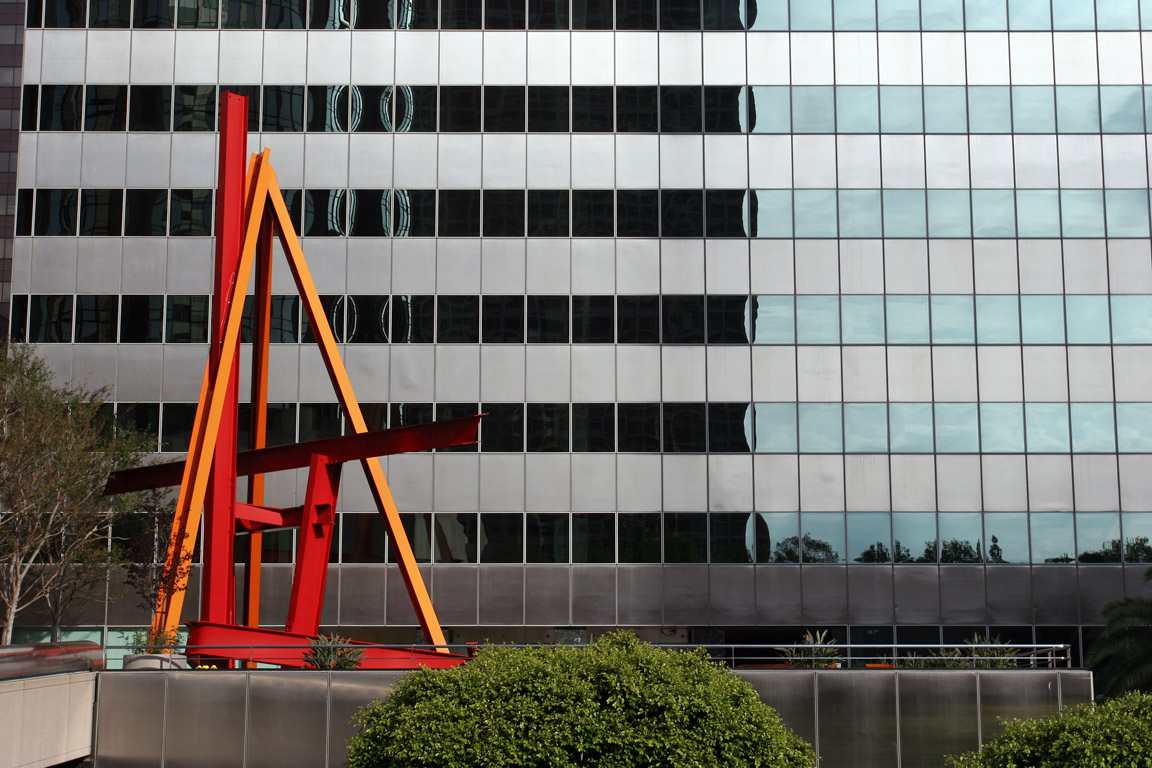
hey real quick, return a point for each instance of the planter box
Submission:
(159, 661)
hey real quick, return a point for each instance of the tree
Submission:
(56, 452)
(1115, 734)
(617, 702)
(1123, 651)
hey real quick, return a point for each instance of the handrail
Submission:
(18, 662)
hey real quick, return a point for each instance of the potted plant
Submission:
(332, 652)
(156, 650)
(816, 652)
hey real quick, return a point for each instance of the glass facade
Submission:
(782, 313)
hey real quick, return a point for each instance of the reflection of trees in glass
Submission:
(876, 553)
(1109, 552)
(995, 553)
(903, 554)
(1064, 558)
(1137, 550)
(815, 551)
(959, 551)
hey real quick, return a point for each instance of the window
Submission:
(635, 14)
(547, 427)
(176, 434)
(591, 107)
(548, 213)
(457, 319)
(285, 14)
(592, 213)
(284, 325)
(367, 318)
(504, 108)
(101, 212)
(50, 320)
(593, 427)
(729, 319)
(193, 14)
(504, 14)
(195, 108)
(725, 210)
(445, 411)
(414, 213)
(683, 319)
(591, 14)
(252, 93)
(593, 537)
(638, 320)
(141, 319)
(325, 211)
(636, 110)
(460, 14)
(150, 108)
(106, 108)
(192, 213)
(503, 213)
(241, 14)
(548, 14)
(146, 212)
(679, 14)
(593, 320)
(684, 427)
(685, 537)
(729, 427)
(460, 108)
(331, 14)
(503, 320)
(416, 14)
(639, 535)
(328, 109)
(503, 428)
(60, 107)
(55, 212)
(415, 108)
(547, 538)
(638, 427)
(283, 108)
(109, 14)
(681, 109)
(460, 213)
(724, 107)
(368, 214)
(547, 108)
(333, 308)
(413, 319)
(638, 212)
(547, 319)
(96, 318)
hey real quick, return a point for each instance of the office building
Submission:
(830, 314)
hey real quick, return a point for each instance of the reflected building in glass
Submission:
(821, 313)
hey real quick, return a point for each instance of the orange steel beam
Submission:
(409, 570)
(261, 336)
(206, 427)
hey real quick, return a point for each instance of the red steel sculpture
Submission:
(250, 213)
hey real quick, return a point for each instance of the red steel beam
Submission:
(384, 442)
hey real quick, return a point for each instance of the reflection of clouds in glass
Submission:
(1053, 540)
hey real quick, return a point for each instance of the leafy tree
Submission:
(617, 702)
(56, 452)
(1115, 734)
(1123, 651)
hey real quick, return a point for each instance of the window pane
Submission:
(823, 539)
(1121, 109)
(901, 110)
(638, 319)
(460, 14)
(638, 213)
(770, 213)
(154, 14)
(96, 319)
(414, 213)
(1093, 428)
(904, 213)
(547, 319)
(855, 14)
(1131, 319)
(195, 108)
(869, 537)
(458, 319)
(593, 213)
(685, 537)
(731, 537)
(1117, 14)
(1137, 534)
(1042, 319)
(725, 213)
(860, 213)
(901, 15)
(639, 538)
(989, 109)
(459, 213)
(1033, 109)
(1002, 427)
(146, 212)
(367, 318)
(813, 109)
(775, 320)
(368, 214)
(501, 538)
(997, 319)
(413, 319)
(945, 107)
(547, 427)
(1127, 211)
(1077, 110)
(416, 14)
(593, 538)
(949, 213)
(187, 320)
(547, 14)
(504, 108)
(106, 108)
(907, 319)
(109, 14)
(141, 319)
(50, 320)
(729, 427)
(177, 430)
(192, 213)
(818, 319)
(985, 14)
(993, 213)
(333, 308)
(911, 427)
(101, 212)
(769, 109)
(728, 319)
(592, 110)
(1038, 212)
(681, 109)
(150, 108)
(503, 212)
(503, 428)
(1052, 538)
(593, 320)
(460, 109)
(1029, 15)
(1134, 427)
(241, 14)
(370, 106)
(55, 212)
(777, 537)
(724, 107)
(683, 319)
(1073, 14)
(684, 430)
(1082, 212)
(546, 538)
(364, 539)
(319, 420)
(960, 538)
(956, 428)
(636, 109)
(547, 108)
(682, 213)
(865, 427)
(638, 426)
(593, 427)
(952, 319)
(1047, 427)
(1007, 537)
(914, 537)
(60, 107)
(821, 429)
(414, 108)
(776, 427)
(811, 14)
(815, 212)
(1087, 319)
(1098, 537)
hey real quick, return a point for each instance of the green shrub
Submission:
(965, 658)
(817, 652)
(616, 703)
(323, 653)
(1115, 734)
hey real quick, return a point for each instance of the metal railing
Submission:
(736, 656)
(23, 661)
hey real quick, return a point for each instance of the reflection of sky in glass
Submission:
(1132, 319)
(1007, 535)
(1134, 424)
(1047, 427)
(952, 319)
(1137, 537)
(775, 320)
(1087, 319)
(775, 427)
(817, 319)
(956, 428)
(1002, 427)
(820, 428)
(869, 537)
(960, 537)
(1052, 537)
(863, 319)
(907, 319)
(1093, 428)
(820, 529)
(911, 532)
(998, 319)
(911, 427)
(865, 427)
(1043, 319)
(1098, 536)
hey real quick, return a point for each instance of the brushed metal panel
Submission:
(639, 594)
(398, 606)
(593, 595)
(348, 692)
(502, 594)
(362, 594)
(917, 589)
(962, 594)
(275, 592)
(870, 595)
(1006, 693)
(454, 594)
(1075, 687)
(204, 723)
(858, 709)
(330, 608)
(938, 715)
(1008, 590)
(792, 693)
(287, 718)
(778, 594)
(130, 726)
(546, 592)
(1052, 589)
(825, 593)
(732, 598)
(686, 595)
(1099, 585)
